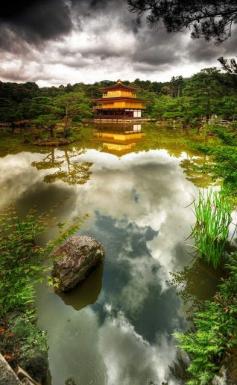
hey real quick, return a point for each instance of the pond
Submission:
(134, 187)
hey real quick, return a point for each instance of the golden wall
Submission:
(119, 93)
(121, 104)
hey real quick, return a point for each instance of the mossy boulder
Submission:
(74, 260)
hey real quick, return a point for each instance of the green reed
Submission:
(213, 217)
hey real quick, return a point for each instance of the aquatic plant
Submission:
(213, 217)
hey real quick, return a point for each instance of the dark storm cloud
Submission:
(156, 47)
(205, 51)
(13, 75)
(75, 61)
(37, 21)
(54, 39)
(100, 51)
(23, 74)
(152, 47)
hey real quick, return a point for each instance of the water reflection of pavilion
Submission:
(119, 139)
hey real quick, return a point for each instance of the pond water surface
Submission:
(137, 188)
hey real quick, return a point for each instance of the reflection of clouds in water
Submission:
(147, 187)
(138, 210)
(73, 342)
(133, 279)
(103, 160)
(129, 358)
(129, 260)
(111, 353)
(23, 185)
(151, 190)
(16, 176)
(144, 186)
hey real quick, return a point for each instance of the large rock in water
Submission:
(74, 260)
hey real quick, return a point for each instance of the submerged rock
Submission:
(74, 260)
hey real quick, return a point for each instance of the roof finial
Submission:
(119, 81)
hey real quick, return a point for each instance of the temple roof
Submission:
(119, 98)
(118, 86)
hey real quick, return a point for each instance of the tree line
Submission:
(207, 93)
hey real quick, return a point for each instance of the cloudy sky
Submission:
(56, 42)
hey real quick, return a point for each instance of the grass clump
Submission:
(213, 217)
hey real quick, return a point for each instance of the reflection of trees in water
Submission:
(197, 171)
(178, 369)
(196, 283)
(67, 169)
(162, 137)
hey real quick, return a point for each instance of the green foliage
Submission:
(213, 217)
(226, 166)
(206, 93)
(227, 136)
(167, 107)
(28, 336)
(203, 90)
(210, 19)
(214, 332)
(224, 156)
(45, 109)
(20, 261)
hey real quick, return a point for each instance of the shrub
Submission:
(20, 261)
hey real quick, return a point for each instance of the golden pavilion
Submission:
(119, 102)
